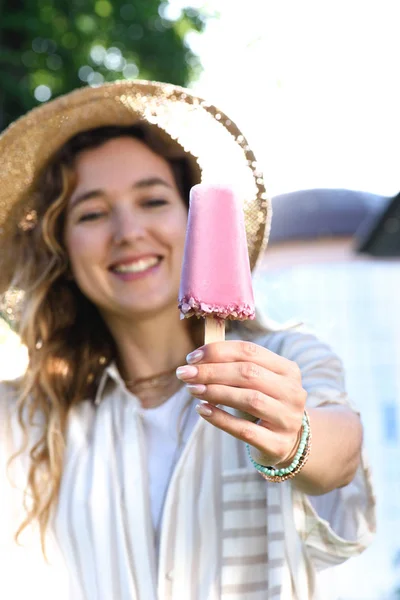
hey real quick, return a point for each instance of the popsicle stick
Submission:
(214, 330)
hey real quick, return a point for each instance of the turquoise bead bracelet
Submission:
(299, 460)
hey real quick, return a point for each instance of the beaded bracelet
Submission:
(300, 458)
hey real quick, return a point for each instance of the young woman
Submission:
(132, 495)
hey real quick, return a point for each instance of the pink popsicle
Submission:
(216, 278)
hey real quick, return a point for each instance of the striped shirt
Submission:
(226, 533)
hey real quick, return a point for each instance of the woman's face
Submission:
(125, 229)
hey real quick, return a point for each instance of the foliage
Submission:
(49, 47)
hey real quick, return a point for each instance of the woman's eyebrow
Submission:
(149, 181)
(86, 196)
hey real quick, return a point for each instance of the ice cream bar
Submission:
(216, 278)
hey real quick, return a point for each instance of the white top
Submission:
(167, 429)
(226, 533)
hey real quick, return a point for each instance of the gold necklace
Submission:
(152, 381)
(165, 382)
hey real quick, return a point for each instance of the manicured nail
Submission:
(204, 409)
(194, 356)
(196, 389)
(186, 372)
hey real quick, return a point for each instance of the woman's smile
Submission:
(133, 268)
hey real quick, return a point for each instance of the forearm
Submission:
(335, 453)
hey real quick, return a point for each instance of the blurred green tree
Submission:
(49, 47)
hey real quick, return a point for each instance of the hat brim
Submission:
(207, 137)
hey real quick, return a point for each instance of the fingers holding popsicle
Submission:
(242, 377)
(251, 380)
(245, 366)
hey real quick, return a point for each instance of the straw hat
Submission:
(212, 143)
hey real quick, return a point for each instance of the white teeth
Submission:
(138, 266)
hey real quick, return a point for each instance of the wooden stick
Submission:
(214, 330)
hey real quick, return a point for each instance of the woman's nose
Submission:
(128, 226)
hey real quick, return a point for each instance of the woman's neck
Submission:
(150, 346)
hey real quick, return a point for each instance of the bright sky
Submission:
(314, 84)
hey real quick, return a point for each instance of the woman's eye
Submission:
(154, 202)
(92, 216)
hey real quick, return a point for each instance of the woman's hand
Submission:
(252, 380)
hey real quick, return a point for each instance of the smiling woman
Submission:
(143, 498)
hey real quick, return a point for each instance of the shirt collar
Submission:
(112, 375)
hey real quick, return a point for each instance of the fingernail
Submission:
(196, 389)
(194, 356)
(204, 409)
(186, 372)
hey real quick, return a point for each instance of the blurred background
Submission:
(315, 86)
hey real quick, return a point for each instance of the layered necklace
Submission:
(144, 388)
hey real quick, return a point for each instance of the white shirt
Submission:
(226, 533)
